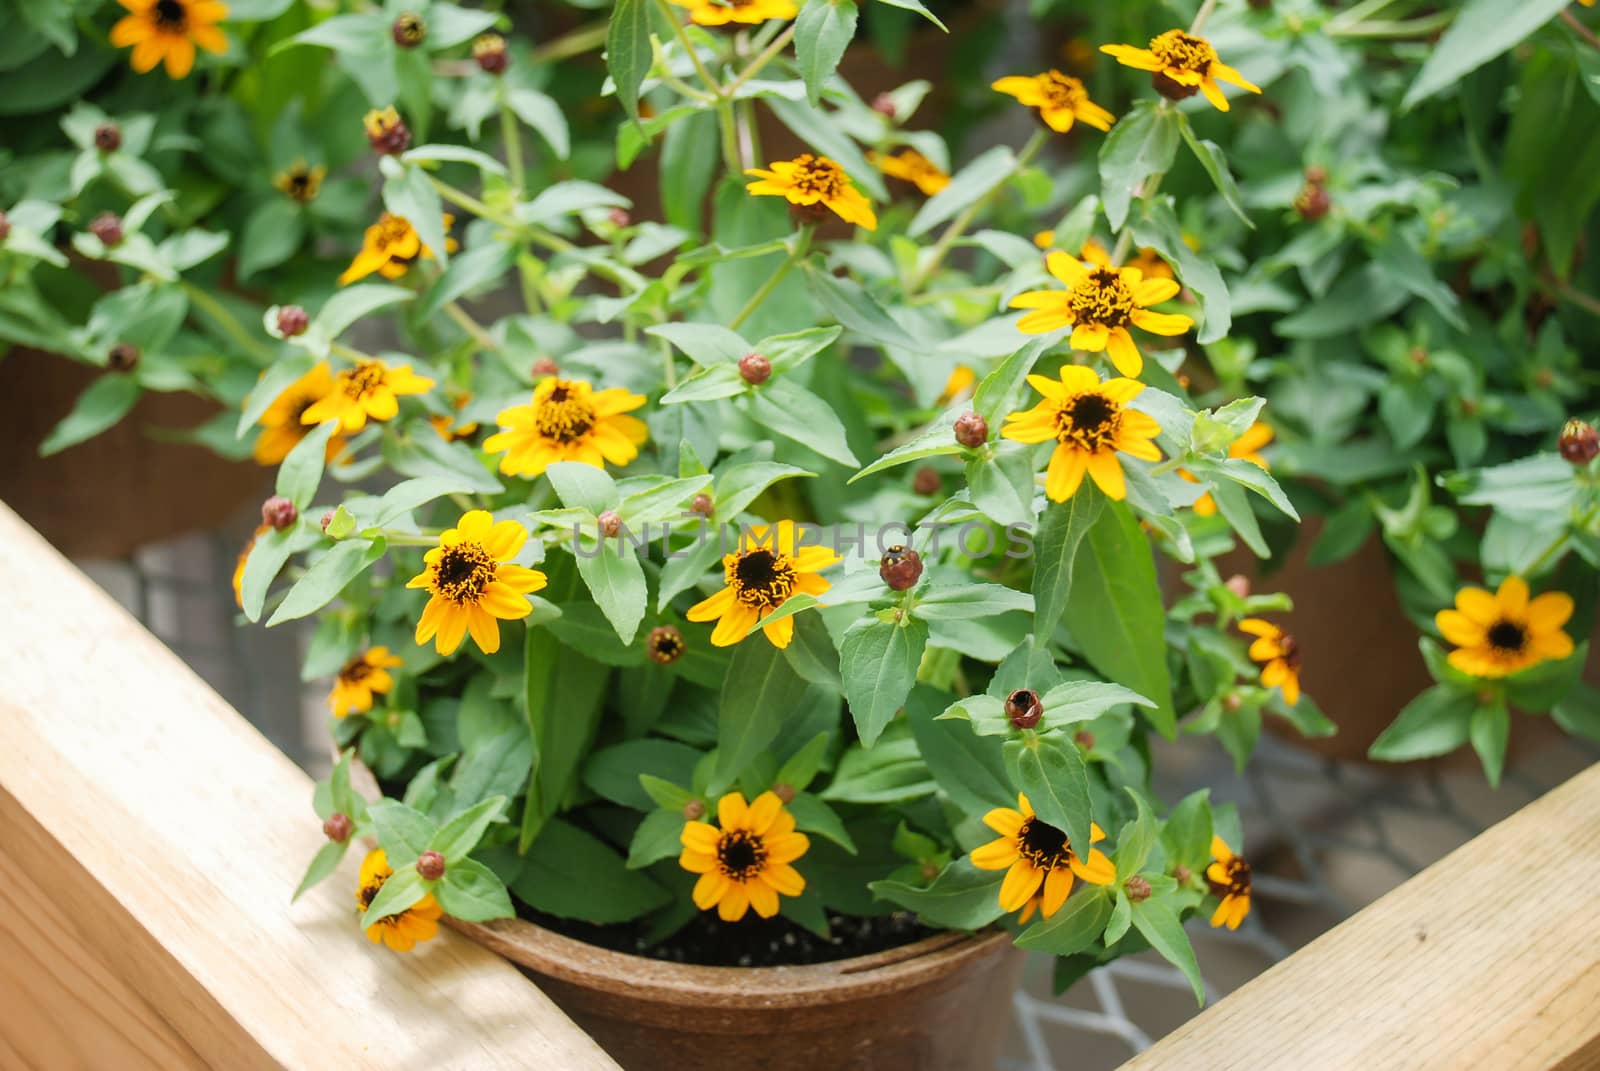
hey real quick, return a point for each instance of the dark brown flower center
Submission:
(1043, 845)
(819, 176)
(1177, 49)
(1062, 91)
(741, 854)
(1089, 421)
(392, 230)
(356, 670)
(170, 15)
(363, 379)
(762, 578)
(1238, 883)
(463, 571)
(1289, 651)
(1507, 636)
(1103, 298)
(565, 415)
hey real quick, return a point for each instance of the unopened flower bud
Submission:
(1137, 888)
(1579, 442)
(610, 523)
(409, 30)
(900, 567)
(1181, 874)
(926, 481)
(543, 366)
(784, 792)
(1239, 584)
(1170, 89)
(108, 137)
(430, 864)
(123, 357)
(337, 827)
(107, 227)
(619, 217)
(1084, 739)
(694, 810)
(702, 504)
(279, 512)
(883, 104)
(1232, 702)
(1316, 174)
(292, 321)
(755, 369)
(665, 645)
(386, 131)
(972, 431)
(930, 870)
(327, 519)
(1312, 202)
(490, 52)
(1024, 709)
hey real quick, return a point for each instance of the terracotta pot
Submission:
(940, 1004)
(121, 490)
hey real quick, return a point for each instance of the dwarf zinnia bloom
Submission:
(300, 182)
(1230, 879)
(1246, 447)
(809, 180)
(169, 30)
(404, 931)
(1061, 99)
(744, 864)
(1147, 260)
(1035, 854)
(473, 583)
(361, 678)
(749, 12)
(1181, 64)
(1090, 422)
(1100, 303)
(1278, 654)
(390, 246)
(281, 426)
(1499, 634)
(568, 420)
(370, 389)
(769, 566)
(962, 380)
(909, 165)
(244, 558)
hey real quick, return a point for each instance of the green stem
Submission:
(1355, 14)
(511, 137)
(1420, 27)
(463, 199)
(688, 46)
(668, 368)
(1201, 16)
(229, 324)
(584, 39)
(472, 327)
(396, 538)
(1560, 541)
(767, 55)
(802, 243)
(959, 225)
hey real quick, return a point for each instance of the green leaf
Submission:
(478, 267)
(323, 864)
(459, 836)
(403, 833)
(1073, 928)
(327, 577)
(265, 560)
(1155, 919)
(1076, 701)
(574, 875)
(407, 495)
(813, 816)
(1158, 228)
(1143, 143)
(616, 580)
(545, 116)
(410, 194)
(962, 897)
(783, 406)
(352, 303)
(1215, 162)
(707, 345)
(581, 486)
(1137, 839)
(471, 892)
(1061, 533)
(850, 306)
(1489, 730)
(997, 394)
(301, 471)
(1483, 30)
(1186, 837)
(1049, 770)
(628, 55)
(106, 401)
(1435, 722)
(658, 837)
(402, 889)
(800, 768)
(617, 772)
(878, 663)
(563, 694)
(971, 184)
(271, 236)
(821, 34)
(937, 440)
(759, 692)
(959, 601)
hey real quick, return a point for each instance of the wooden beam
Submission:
(149, 842)
(1489, 958)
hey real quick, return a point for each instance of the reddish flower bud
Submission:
(1239, 584)
(694, 810)
(1084, 739)
(619, 217)
(1137, 888)
(1182, 874)
(930, 870)
(1312, 202)
(610, 523)
(784, 792)
(292, 321)
(972, 431)
(5, 227)
(409, 30)
(1023, 708)
(702, 504)
(755, 369)
(883, 104)
(327, 519)
(338, 827)
(108, 137)
(1316, 174)
(490, 52)
(665, 645)
(386, 131)
(543, 366)
(926, 481)
(1579, 444)
(279, 512)
(430, 864)
(900, 567)
(123, 357)
(107, 227)
(1232, 702)
(1170, 89)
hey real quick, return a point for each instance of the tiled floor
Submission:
(1325, 838)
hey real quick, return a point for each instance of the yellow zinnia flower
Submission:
(446, 426)
(1061, 99)
(1147, 260)
(473, 583)
(1279, 655)
(1102, 302)
(361, 678)
(962, 380)
(404, 931)
(281, 426)
(1500, 634)
(909, 165)
(244, 556)
(749, 12)
(390, 246)
(568, 420)
(1246, 447)
(1230, 879)
(1090, 422)
(168, 30)
(367, 390)
(300, 182)
(769, 566)
(1035, 854)
(1045, 239)
(1181, 64)
(809, 180)
(744, 864)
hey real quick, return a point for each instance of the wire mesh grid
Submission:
(1325, 838)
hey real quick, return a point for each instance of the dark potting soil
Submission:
(751, 942)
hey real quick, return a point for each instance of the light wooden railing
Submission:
(149, 839)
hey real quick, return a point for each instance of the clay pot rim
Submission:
(642, 978)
